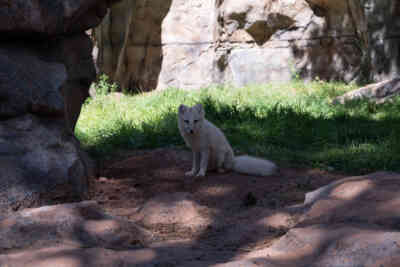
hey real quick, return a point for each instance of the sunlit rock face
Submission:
(146, 45)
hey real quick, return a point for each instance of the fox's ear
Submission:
(182, 109)
(200, 109)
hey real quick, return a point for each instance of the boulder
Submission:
(41, 103)
(81, 224)
(146, 50)
(383, 24)
(25, 77)
(37, 155)
(350, 222)
(46, 69)
(334, 245)
(64, 255)
(19, 18)
(350, 200)
(376, 92)
(69, 256)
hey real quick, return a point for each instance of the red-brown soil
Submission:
(231, 207)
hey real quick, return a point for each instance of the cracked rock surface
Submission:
(147, 45)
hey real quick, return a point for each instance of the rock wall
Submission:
(383, 23)
(147, 44)
(46, 69)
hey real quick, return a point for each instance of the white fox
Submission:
(211, 150)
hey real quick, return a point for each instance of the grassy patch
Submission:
(290, 123)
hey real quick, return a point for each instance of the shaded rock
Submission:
(377, 92)
(44, 77)
(37, 156)
(245, 263)
(370, 199)
(45, 73)
(72, 51)
(29, 84)
(334, 245)
(64, 255)
(70, 256)
(21, 18)
(42, 92)
(334, 227)
(350, 222)
(78, 224)
(383, 24)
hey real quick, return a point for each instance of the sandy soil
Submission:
(231, 207)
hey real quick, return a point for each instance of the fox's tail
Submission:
(254, 166)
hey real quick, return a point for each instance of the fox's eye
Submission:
(196, 121)
(186, 121)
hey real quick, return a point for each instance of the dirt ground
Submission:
(232, 207)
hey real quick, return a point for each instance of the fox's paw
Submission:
(191, 173)
(201, 173)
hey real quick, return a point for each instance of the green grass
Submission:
(293, 123)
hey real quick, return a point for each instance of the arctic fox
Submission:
(211, 150)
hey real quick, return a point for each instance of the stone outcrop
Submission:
(145, 45)
(382, 19)
(31, 17)
(80, 224)
(350, 222)
(46, 69)
(377, 92)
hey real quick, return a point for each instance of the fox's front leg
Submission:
(195, 164)
(203, 163)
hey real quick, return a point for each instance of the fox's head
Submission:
(191, 118)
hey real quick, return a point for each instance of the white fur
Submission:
(210, 148)
(255, 166)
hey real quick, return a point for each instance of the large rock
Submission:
(141, 46)
(382, 18)
(351, 199)
(36, 155)
(46, 69)
(65, 255)
(29, 17)
(348, 223)
(19, 64)
(377, 92)
(43, 77)
(334, 245)
(190, 44)
(81, 224)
